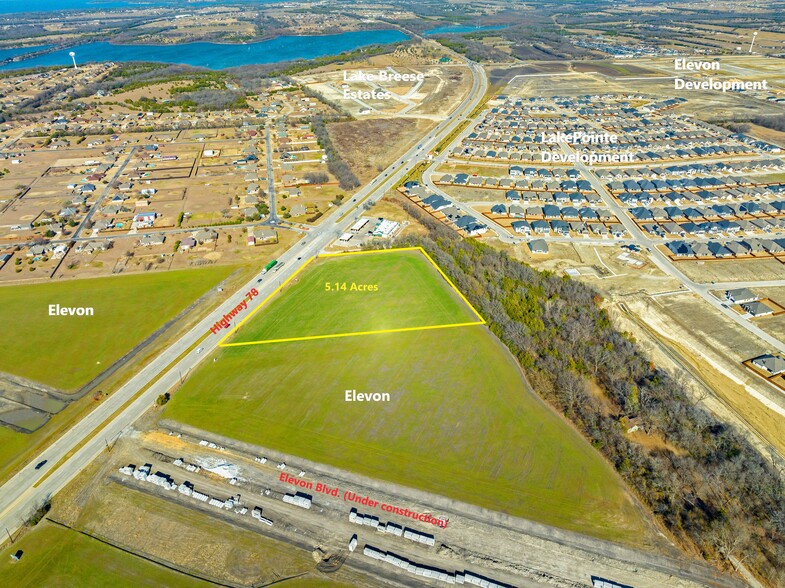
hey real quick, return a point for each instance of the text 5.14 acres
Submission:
(350, 287)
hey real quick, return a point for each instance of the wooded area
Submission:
(703, 479)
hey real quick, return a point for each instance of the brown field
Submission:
(370, 145)
(681, 327)
(612, 69)
(444, 87)
(770, 135)
(478, 169)
(740, 270)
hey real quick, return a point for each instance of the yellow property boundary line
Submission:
(480, 321)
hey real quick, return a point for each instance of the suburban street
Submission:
(636, 236)
(97, 204)
(272, 219)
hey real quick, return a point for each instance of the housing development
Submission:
(392, 294)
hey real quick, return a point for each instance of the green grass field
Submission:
(58, 557)
(67, 352)
(406, 291)
(461, 421)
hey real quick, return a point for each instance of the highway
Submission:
(75, 449)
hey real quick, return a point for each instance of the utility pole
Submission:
(9, 534)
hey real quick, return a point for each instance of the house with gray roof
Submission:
(538, 246)
(152, 240)
(757, 308)
(774, 364)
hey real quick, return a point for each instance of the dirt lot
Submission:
(741, 270)
(370, 145)
(612, 69)
(687, 326)
(445, 87)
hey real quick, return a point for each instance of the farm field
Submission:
(349, 293)
(460, 421)
(56, 556)
(66, 352)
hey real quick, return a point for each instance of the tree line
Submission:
(335, 163)
(705, 481)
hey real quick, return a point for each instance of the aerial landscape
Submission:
(368, 294)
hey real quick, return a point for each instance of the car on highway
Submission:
(200, 350)
(41, 464)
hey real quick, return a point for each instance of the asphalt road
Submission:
(109, 187)
(75, 449)
(272, 219)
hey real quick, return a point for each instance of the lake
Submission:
(217, 55)
(5, 53)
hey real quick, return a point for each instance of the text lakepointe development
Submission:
(350, 496)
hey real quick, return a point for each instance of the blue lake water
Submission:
(5, 53)
(218, 55)
(456, 29)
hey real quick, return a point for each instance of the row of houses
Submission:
(718, 250)
(743, 186)
(745, 210)
(475, 181)
(550, 211)
(716, 169)
(714, 228)
(534, 133)
(517, 171)
(454, 216)
(742, 194)
(562, 228)
(749, 302)
(526, 197)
